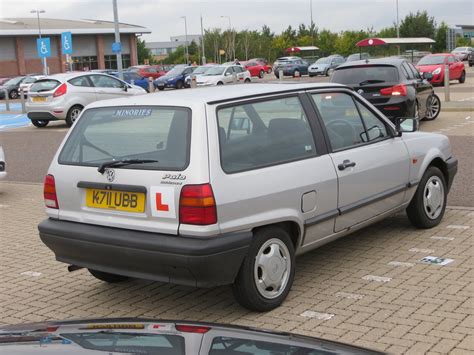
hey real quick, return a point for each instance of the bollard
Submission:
(22, 98)
(234, 78)
(7, 100)
(297, 74)
(280, 75)
(193, 81)
(151, 88)
(446, 84)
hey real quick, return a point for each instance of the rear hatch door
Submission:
(42, 91)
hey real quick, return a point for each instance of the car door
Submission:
(372, 164)
(422, 87)
(228, 75)
(107, 87)
(84, 89)
(455, 68)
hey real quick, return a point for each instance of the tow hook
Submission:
(72, 268)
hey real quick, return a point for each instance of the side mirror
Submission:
(428, 76)
(406, 124)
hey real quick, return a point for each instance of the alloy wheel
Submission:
(433, 197)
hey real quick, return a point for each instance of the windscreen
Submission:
(176, 71)
(201, 70)
(360, 75)
(159, 134)
(14, 81)
(216, 71)
(323, 60)
(431, 60)
(44, 85)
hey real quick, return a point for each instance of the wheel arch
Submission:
(291, 227)
(441, 165)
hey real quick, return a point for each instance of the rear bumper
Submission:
(452, 168)
(199, 262)
(42, 116)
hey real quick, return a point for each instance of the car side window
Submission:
(342, 120)
(102, 81)
(451, 59)
(375, 129)
(80, 81)
(259, 134)
(415, 71)
(407, 71)
(238, 69)
(229, 71)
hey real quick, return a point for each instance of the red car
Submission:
(264, 63)
(435, 64)
(254, 68)
(146, 71)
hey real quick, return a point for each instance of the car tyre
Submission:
(433, 107)
(220, 83)
(261, 74)
(427, 206)
(39, 123)
(462, 78)
(107, 277)
(247, 81)
(179, 84)
(272, 246)
(161, 88)
(73, 114)
(329, 72)
(13, 94)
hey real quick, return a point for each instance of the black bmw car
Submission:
(393, 85)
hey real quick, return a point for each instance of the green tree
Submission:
(388, 32)
(418, 25)
(143, 52)
(326, 41)
(346, 41)
(440, 38)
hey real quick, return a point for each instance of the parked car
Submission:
(98, 71)
(148, 336)
(224, 74)
(393, 85)
(264, 62)
(462, 52)
(291, 67)
(436, 63)
(227, 185)
(4, 80)
(3, 164)
(147, 71)
(470, 59)
(174, 78)
(254, 68)
(12, 86)
(358, 56)
(280, 61)
(133, 77)
(63, 96)
(197, 72)
(326, 65)
(28, 81)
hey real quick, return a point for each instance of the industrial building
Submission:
(91, 45)
(161, 50)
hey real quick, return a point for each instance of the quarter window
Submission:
(260, 134)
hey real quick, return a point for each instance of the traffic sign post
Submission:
(43, 47)
(66, 47)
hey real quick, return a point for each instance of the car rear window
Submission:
(139, 132)
(44, 85)
(360, 74)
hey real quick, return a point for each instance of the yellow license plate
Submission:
(38, 99)
(116, 200)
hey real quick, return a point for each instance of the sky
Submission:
(163, 17)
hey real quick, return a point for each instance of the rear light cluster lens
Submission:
(192, 328)
(397, 90)
(61, 90)
(197, 205)
(49, 192)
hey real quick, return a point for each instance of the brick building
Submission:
(91, 42)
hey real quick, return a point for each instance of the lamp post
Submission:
(117, 40)
(186, 54)
(311, 24)
(38, 12)
(398, 29)
(231, 44)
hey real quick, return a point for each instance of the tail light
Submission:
(397, 90)
(49, 192)
(61, 90)
(192, 328)
(197, 205)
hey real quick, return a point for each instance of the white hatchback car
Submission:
(63, 96)
(224, 74)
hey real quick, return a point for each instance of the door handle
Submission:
(346, 164)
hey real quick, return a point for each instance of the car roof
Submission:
(67, 76)
(210, 95)
(388, 61)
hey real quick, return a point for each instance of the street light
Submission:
(311, 25)
(186, 54)
(38, 12)
(398, 29)
(230, 36)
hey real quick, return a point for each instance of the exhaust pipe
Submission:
(72, 268)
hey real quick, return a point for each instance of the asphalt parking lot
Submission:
(370, 288)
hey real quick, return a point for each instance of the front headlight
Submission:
(436, 71)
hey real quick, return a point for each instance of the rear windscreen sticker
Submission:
(133, 112)
(162, 202)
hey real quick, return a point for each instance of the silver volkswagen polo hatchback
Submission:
(228, 185)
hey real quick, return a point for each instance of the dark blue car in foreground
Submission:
(138, 80)
(174, 78)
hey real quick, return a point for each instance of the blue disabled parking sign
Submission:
(116, 47)
(43, 47)
(66, 42)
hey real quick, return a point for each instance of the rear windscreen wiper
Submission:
(123, 162)
(371, 81)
